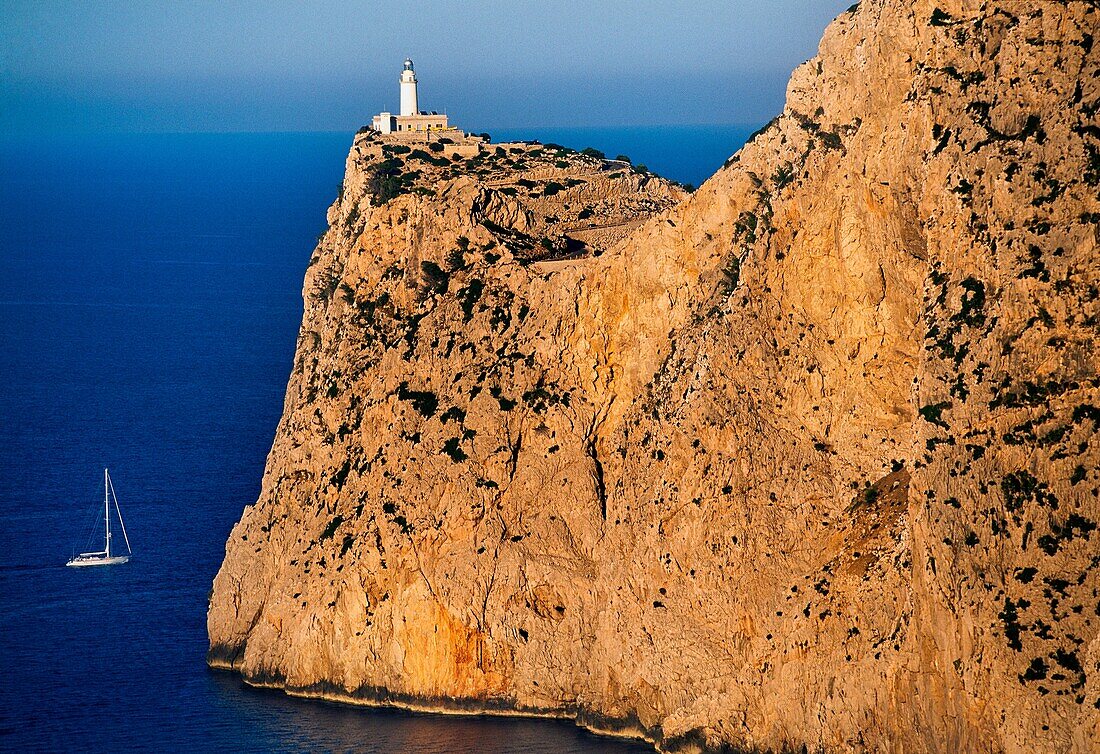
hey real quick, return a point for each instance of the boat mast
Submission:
(121, 523)
(107, 512)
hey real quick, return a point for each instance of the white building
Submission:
(411, 119)
(408, 90)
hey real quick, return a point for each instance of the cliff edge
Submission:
(807, 458)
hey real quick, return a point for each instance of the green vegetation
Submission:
(1031, 394)
(425, 402)
(434, 279)
(505, 403)
(439, 162)
(1021, 487)
(540, 399)
(731, 275)
(939, 18)
(333, 525)
(746, 226)
(973, 303)
(469, 296)
(830, 140)
(1025, 575)
(932, 413)
(1010, 617)
(452, 449)
(337, 480)
(1075, 526)
(783, 175)
(329, 285)
(1036, 671)
(385, 183)
(456, 257)
(1087, 412)
(1091, 175)
(453, 413)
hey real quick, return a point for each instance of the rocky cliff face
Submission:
(808, 458)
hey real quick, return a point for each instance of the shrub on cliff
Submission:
(385, 183)
(456, 260)
(433, 278)
(731, 275)
(333, 525)
(456, 257)
(451, 448)
(424, 402)
(439, 162)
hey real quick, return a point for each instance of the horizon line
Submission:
(262, 131)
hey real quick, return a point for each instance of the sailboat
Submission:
(105, 557)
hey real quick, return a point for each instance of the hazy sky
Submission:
(276, 65)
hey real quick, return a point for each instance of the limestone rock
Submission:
(808, 458)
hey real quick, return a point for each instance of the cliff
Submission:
(807, 458)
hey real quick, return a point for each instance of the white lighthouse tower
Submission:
(409, 104)
(411, 121)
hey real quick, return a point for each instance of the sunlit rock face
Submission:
(806, 458)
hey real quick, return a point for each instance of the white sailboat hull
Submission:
(96, 559)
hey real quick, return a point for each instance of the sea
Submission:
(150, 297)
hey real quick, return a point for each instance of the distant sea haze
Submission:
(150, 298)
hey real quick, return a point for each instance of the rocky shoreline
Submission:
(631, 729)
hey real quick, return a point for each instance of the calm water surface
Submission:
(149, 304)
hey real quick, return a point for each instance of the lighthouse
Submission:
(410, 117)
(408, 90)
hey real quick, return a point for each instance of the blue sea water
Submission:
(149, 305)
